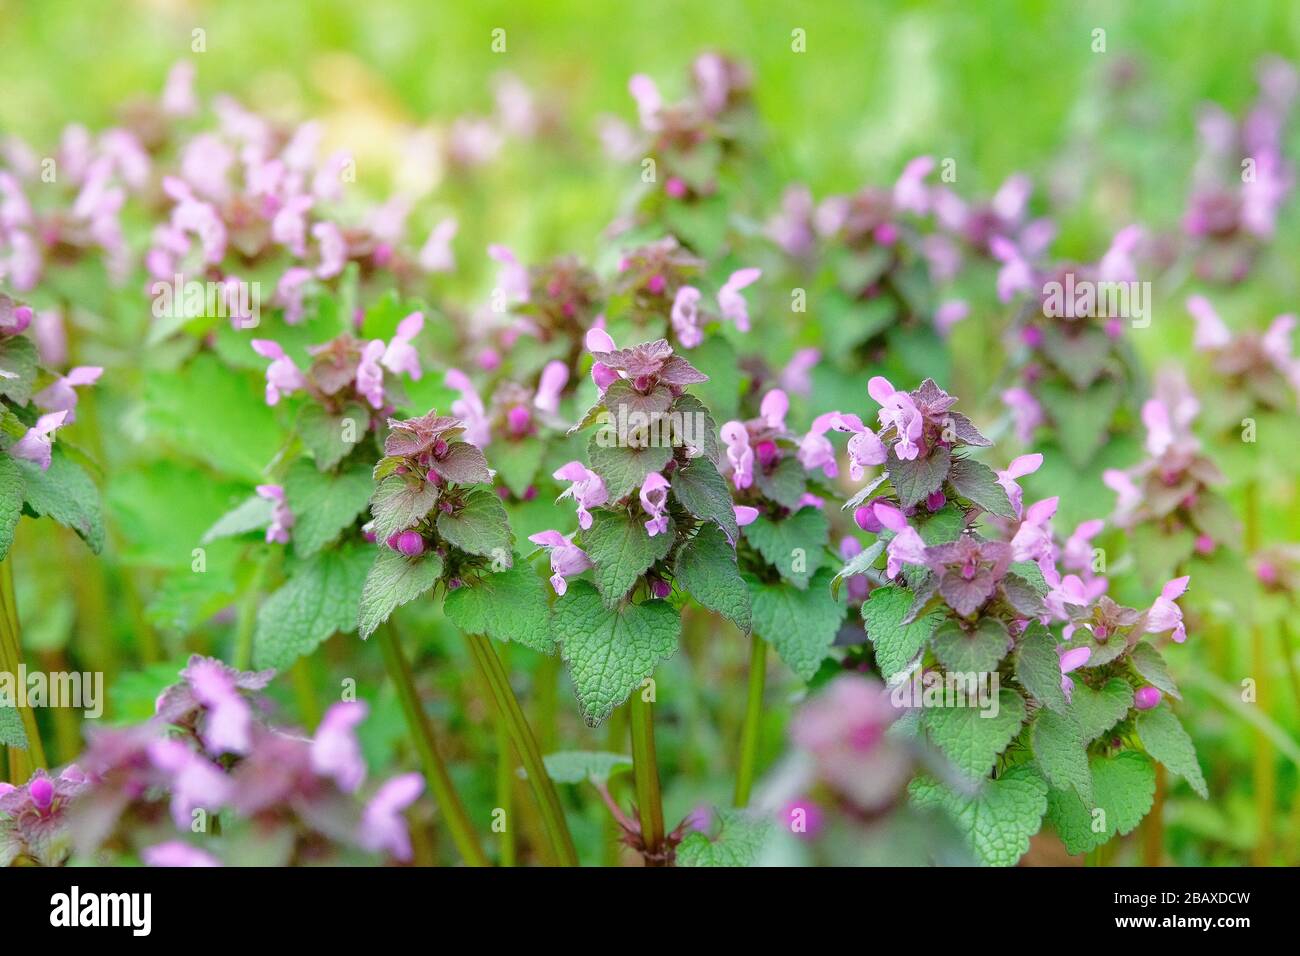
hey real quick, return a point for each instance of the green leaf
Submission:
(896, 643)
(610, 652)
(914, 480)
(1061, 753)
(577, 766)
(738, 842)
(321, 597)
(794, 545)
(860, 563)
(970, 737)
(324, 503)
(12, 487)
(940, 527)
(998, 821)
(517, 463)
(394, 580)
(976, 482)
(1165, 739)
(1148, 662)
(706, 569)
(1096, 711)
(65, 493)
(1123, 787)
(400, 502)
(785, 484)
(980, 650)
(621, 550)
(1081, 357)
(1081, 419)
(624, 468)
(325, 434)
(800, 624)
(718, 360)
(1038, 667)
(18, 357)
(479, 526)
(508, 605)
(464, 464)
(702, 491)
(1030, 572)
(12, 733)
(253, 514)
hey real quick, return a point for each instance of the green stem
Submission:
(548, 672)
(21, 763)
(645, 771)
(521, 735)
(304, 692)
(435, 771)
(505, 793)
(753, 717)
(1264, 778)
(247, 624)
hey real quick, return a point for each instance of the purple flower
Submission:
(281, 516)
(648, 101)
(1019, 467)
(866, 450)
(1027, 412)
(685, 317)
(1033, 539)
(335, 752)
(469, 408)
(550, 386)
(290, 292)
(1129, 494)
(1117, 264)
(1016, 274)
(910, 192)
(1071, 660)
(745, 515)
(196, 782)
(175, 853)
(512, 277)
(1165, 615)
(795, 376)
(906, 547)
(816, 450)
(567, 559)
(741, 457)
(401, 356)
(731, 302)
(333, 249)
(949, 314)
(282, 375)
(587, 489)
(654, 500)
(228, 722)
(1077, 553)
(773, 409)
(1147, 698)
(436, 255)
(383, 827)
(897, 409)
(1211, 333)
(37, 442)
(370, 376)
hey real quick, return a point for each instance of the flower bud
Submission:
(1146, 698)
(866, 519)
(42, 792)
(410, 543)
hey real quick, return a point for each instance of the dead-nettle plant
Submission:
(1045, 696)
(38, 477)
(775, 479)
(441, 528)
(654, 519)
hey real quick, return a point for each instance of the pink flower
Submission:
(866, 450)
(906, 547)
(1147, 698)
(59, 395)
(38, 441)
(745, 515)
(178, 91)
(598, 340)
(1211, 333)
(1117, 264)
(587, 489)
(567, 559)
(550, 386)
(289, 226)
(1027, 412)
(949, 314)
(910, 192)
(512, 277)
(1019, 467)
(1064, 593)
(1077, 553)
(686, 317)
(175, 853)
(401, 356)
(795, 377)
(469, 409)
(1129, 495)
(1072, 660)
(281, 516)
(370, 376)
(736, 437)
(436, 255)
(816, 450)
(1033, 539)
(282, 376)
(196, 782)
(1016, 274)
(333, 249)
(773, 409)
(1165, 615)
(335, 752)
(898, 409)
(648, 101)
(290, 292)
(383, 827)
(228, 722)
(731, 302)
(654, 501)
